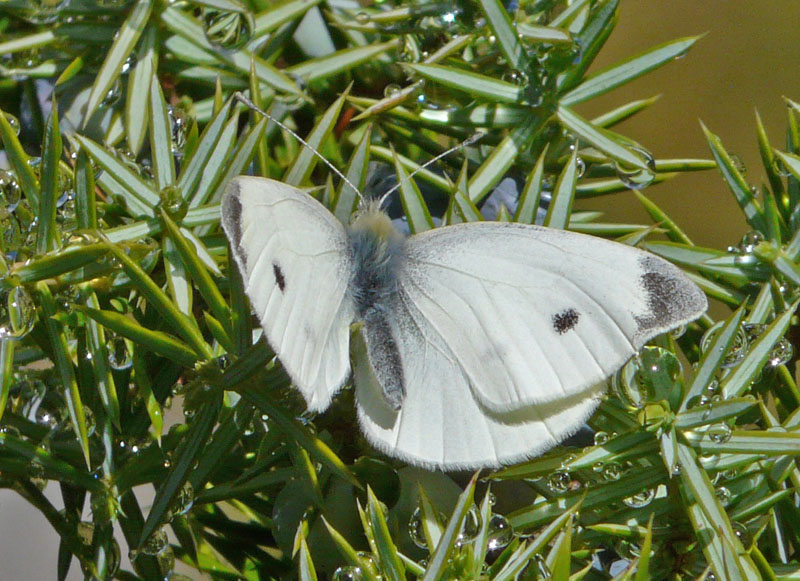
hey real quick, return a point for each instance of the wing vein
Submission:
(499, 315)
(414, 312)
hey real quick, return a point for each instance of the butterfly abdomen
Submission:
(377, 254)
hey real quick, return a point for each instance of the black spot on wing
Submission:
(565, 320)
(279, 278)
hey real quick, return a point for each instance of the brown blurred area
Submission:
(748, 60)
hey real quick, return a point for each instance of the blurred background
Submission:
(748, 60)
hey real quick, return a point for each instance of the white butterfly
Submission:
(479, 344)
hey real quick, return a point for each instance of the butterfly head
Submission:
(371, 219)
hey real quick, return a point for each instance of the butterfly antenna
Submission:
(475, 137)
(248, 103)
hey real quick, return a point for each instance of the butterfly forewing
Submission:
(534, 315)
(294, 257)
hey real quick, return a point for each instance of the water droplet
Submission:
(179, 124)
(119, 357)
(307, 419)
(20, 62)
(184, 501)
(227, 30)
(738, 348)
(781, 353)
(640, 499)
(391, 90)
(515, 77)
(742, 533)
(580, 166)
(710, 390)
(12, 242)
(166, 561)
(601, 438)
(85, 531)
(678, 332)
(753, 331)
(612, 471)
(113, 94)
(750, 241)
(43, 11)
(63, 175)
(415, 529)
(470, 527)
(637, 178)
(500, 532)
(14, 122)
(363, 18)
(65, 206)
(9, 431)
(780, 168)
(173, 203)
(536, 568)
(128, 65)
(10, 190)
(559, 481)
(724, 495)
(738, 164)
(17, 313)
(652, 370)
(155, 543)
(36, 472)
(88, 420)
(347, 573)
(180, 387)
(368, 562)
(719, 433)
(46, 416)
(628, 385)
(410, 51)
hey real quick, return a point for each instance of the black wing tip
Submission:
(232, 217)
(673, 299)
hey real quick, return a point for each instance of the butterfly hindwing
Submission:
(293, 254)
(440, 423)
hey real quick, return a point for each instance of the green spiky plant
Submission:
(119, 300)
